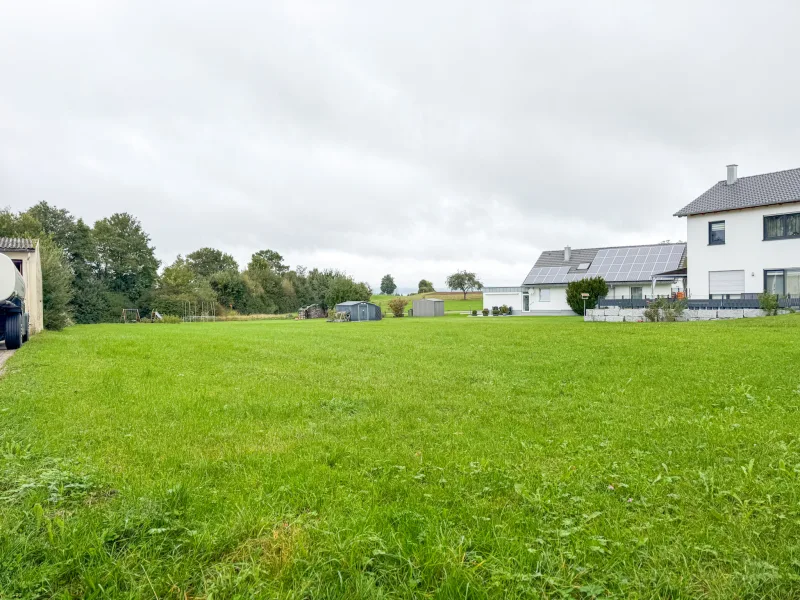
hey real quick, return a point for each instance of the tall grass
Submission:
(406, 458)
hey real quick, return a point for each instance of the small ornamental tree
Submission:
(397, 305)
(387, 285)
(464, 281)
(594, 286)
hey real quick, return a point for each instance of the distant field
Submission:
(406, 458)
(453, 301)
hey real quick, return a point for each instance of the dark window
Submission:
(782, 282)
(18, 264)
(716, 233)
(636, 293)
(778, 227)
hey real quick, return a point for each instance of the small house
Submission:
(360, 311)
(428, 307)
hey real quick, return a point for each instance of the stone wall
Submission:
(636, 315)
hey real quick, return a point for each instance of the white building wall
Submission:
(744, 248)
(512, 299)
(558, 299)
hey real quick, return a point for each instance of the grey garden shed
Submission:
(428, 307)
(360, 311)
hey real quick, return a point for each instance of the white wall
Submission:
(744, 248)
(558, 298)
(512, 299)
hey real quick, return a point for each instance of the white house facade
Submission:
(636, 272)
(743, 237)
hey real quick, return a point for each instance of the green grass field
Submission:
(452, 302)
(437, 458)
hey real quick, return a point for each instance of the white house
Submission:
(631, 272)
(744, 236)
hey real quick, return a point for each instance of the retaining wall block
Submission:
(614, 319)
(702, 315)
(730, 313)
(612, 311)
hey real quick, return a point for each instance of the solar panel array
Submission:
(547, 275)
(635, 264)
(616, 264)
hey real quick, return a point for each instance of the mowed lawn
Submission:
(453, 301)
(436, 458)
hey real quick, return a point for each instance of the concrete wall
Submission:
(636, 315)
(744, 248)
(32, 274)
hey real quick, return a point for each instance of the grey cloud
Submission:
(427, 136)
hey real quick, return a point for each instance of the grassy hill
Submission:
(406, 458)
(453, 301)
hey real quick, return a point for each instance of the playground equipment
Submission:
(199, 311)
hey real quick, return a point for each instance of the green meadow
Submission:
(406, 458)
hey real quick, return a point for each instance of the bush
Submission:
(495, 311)
(398, 305)
(662, 309)
(594, 286)
(768, 303)
(171, 319)
(474, 313)
(485, 312)
(504, 310)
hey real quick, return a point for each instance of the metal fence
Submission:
(747, 301)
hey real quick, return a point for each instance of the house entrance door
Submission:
(526, 302)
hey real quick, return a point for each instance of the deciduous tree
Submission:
(387, 285)
(464, 281)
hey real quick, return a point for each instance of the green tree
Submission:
(344, 288)
(88, 304)
(464, 281)
(268, 259)
(594, 286)
(205, 262)
(230, 288)
(58, 223)
(126, 261)
(425, 287)
(387, 285)
(56, 284)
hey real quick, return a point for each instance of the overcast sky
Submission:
(408, 138)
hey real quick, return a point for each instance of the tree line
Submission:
(91, 273)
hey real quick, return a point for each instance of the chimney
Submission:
(567, 253)
(732, 178)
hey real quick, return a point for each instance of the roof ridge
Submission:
(624, 246)
(725, 181)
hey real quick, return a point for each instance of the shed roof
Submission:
(428, 300)
(748, 192)
(353, 302)
(13, 243)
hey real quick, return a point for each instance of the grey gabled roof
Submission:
(551, 268)
(20, 244)
(747, 192)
